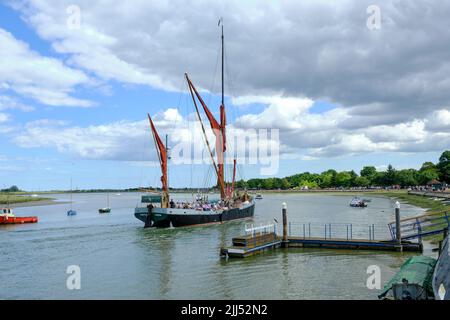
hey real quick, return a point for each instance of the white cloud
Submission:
(3, 117)
(439, 120)
(132, 141)
(119, 140)
(388, 86)
(411, 131)
(282, 112)
(11, 103)
(122, 140)
(317, 49)
(30, 74)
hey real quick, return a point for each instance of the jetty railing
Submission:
(253, 230)
(421, 226)
(347, 231)
(426, 193)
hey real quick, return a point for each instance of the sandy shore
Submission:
(34, 203)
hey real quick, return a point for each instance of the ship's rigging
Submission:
(219, 131)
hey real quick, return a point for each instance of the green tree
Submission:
(390, 176)
(444, 166)
(362, 182)
(241, 184)
(370, 173)
(426, 176)
(326, 179)
(285, 184)
(407, 177)
(11, 189)
(309, 184)
(277, 183)
(267, 183)
(332, 174)
(379, 179)
(427, 172)
(343, 179)
(428, 166)
(353, 177)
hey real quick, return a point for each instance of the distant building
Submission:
(435, 185)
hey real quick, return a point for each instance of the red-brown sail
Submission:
(219, 132)
(162, 155)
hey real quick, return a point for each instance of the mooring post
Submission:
(398, 232)
(285, 226)
(442, 241)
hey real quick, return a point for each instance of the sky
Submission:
(345, 85)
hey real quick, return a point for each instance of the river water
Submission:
(119, 259)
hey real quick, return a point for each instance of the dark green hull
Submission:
(164, 218)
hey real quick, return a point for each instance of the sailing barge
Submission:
(231, 205)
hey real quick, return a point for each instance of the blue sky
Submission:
(73, 103)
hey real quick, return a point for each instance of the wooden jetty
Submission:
(263, 238)
(250, 245)
(256, 240)
(352, 244)
(431, 194)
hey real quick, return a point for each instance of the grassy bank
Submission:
(6, 198)
(427, 203)
(431, 206)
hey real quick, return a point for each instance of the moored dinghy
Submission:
(106, 209)
(71, 212)
(7, 216)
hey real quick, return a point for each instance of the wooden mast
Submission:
(162, 156)
(220, 155)
(218, 128)
(218, 132)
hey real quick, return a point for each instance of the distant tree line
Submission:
(368, 177)
(11, 189)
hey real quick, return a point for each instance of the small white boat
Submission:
(357, 202)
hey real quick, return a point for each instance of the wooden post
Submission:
(398, 232)
(285, 225)
(443, 239)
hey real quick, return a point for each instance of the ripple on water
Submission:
(121, 259)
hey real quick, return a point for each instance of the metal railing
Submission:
(348, 231)
(261, 229)
(421, 226)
